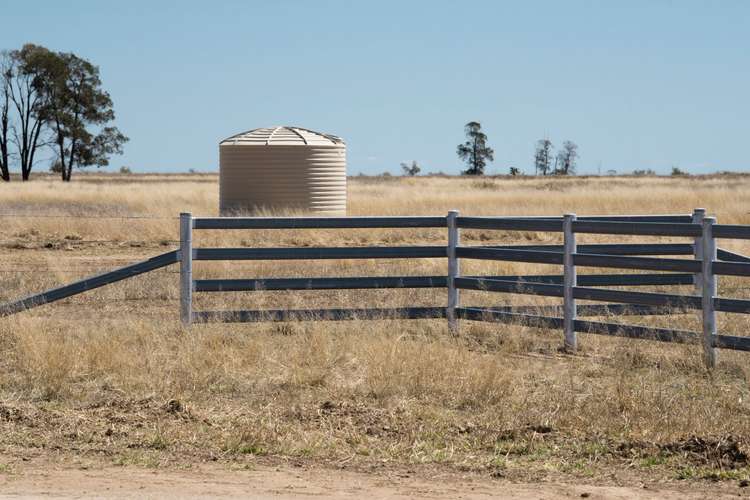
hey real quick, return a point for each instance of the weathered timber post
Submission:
(186, 268)
(569, 281)
(698, 216)
(708, 281)
(454, 236)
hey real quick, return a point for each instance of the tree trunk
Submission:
(4, 170)
(61, 151)
(474, 161)
(4, 163)
(71, 160)
(26, 101)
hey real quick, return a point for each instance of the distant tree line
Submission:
(53, 101)
(475, 152)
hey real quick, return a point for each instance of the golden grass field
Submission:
(112, 376)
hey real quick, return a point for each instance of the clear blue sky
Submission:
(647, 84)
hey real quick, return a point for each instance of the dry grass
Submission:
(112, 373)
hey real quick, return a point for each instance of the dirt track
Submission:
(289, 482)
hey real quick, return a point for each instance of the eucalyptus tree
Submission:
(543, 157)
(54, 99)
(566, 159)
(475, 152)
(79, 113)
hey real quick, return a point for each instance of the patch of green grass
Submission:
(725, 474)
(713, 474)
(582, 467)
(304, 452)
(594, 449)
(513, 448)
(250, 449)
(498, 462)
(653, 460)
(158, 442)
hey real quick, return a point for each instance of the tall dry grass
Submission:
(113, 372)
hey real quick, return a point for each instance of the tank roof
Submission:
(282, 136)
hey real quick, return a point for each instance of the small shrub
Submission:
(676, 171)
(411, 170)
(55, 167)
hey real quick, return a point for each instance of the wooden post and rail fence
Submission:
(699, 272)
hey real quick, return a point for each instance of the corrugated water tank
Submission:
(282, 169)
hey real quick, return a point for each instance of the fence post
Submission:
(698, 215)
(569, 281)
(708, 281)
(454, 236)
(186, 268)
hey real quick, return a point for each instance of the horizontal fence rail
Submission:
(613, 329)
(544, 223)
(636, 331)
(533, 256)
(318, 253)
(732, 305)
(612, 249)
(240, 285)
(625, 297)
(637, 228)
(318, 314)
(732, 342)
(641, 263)
(316, 222)
(276, 284)
(731, 268)
(591, 310)
(512, 224)
(676, 218)
(601, 279)
(731, 232)
(491, 285)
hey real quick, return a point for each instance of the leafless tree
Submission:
(5, 67)
(543, 157)
(29, 103)
(565, 163)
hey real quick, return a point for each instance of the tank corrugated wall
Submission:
(277, 178)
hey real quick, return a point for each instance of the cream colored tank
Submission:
(282, 169)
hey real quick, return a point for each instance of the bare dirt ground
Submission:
(284, 481)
